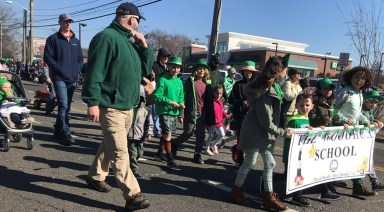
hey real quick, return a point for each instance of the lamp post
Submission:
(25, 29)
(378, 72)
(361, 58)
(325, 62)
(81, 25)
(276, 45)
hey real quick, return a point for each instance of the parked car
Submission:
(313, 81)
(184, 76)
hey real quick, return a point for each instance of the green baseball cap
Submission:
(372, 95)
(325, 82)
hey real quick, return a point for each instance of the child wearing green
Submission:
(370, 102)
(169, 97)
(304, 104)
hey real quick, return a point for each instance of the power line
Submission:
(101, 16)
(69, 6)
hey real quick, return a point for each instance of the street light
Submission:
(378, 72)
(25, 29)
(81, 25)
(325, 61)
(361, 58)
(276, 44)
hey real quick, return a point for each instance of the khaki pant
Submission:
(113, 150)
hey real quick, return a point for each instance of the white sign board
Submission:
(343, 60)
(327, 155)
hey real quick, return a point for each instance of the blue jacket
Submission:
(64, 58)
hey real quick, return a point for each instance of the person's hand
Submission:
(174, 104)
(289, 131)
(245, 104)
(349, 121)
(328, 120)
(148, 137)
(146, 80)
(310, 128)
(181, 120)
(140, 39)
(94, 113)
(48, 80)
(322, 127)
(181, 105)
(379, 124)
(346, 126)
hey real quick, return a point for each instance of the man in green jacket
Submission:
(118, 59)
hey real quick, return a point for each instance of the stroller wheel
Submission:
(17, 138)
(30, 143)
(37, 104)
(5, 145)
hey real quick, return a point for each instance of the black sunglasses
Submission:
(137, 19)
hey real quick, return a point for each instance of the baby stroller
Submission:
(10, 133)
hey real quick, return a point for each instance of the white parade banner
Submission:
(319, 156)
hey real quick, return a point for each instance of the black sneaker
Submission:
(301, 201)
(377, 186)
(339, 183)
(330, 196)
(96, 185)
(171, 164)
(68, 140)
(136, 202)
(174, 150)
(160, 157)
(197, 159)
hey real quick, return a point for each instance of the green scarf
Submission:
(278, 90)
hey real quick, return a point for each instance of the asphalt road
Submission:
(51, 176)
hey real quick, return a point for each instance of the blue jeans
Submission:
(64, 93)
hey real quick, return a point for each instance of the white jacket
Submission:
(291, 91)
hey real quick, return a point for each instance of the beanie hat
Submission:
(231, 70)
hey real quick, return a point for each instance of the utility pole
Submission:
(24, 36)
(215, 28)
(1, 38)
(30, 32)
(325, 62)
(378, 72)
(81, 25)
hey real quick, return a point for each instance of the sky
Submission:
(317, 23)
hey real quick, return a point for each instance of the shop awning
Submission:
(239, 59)
(302, 64)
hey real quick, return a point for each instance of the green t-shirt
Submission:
(296, 121)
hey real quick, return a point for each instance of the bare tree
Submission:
(365, 29)
(175, 43)
(11, 34)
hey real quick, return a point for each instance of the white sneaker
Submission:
(208, 152)
(28, 120)
(214, 149)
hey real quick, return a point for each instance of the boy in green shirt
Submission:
(304, 104)
(169, 97)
